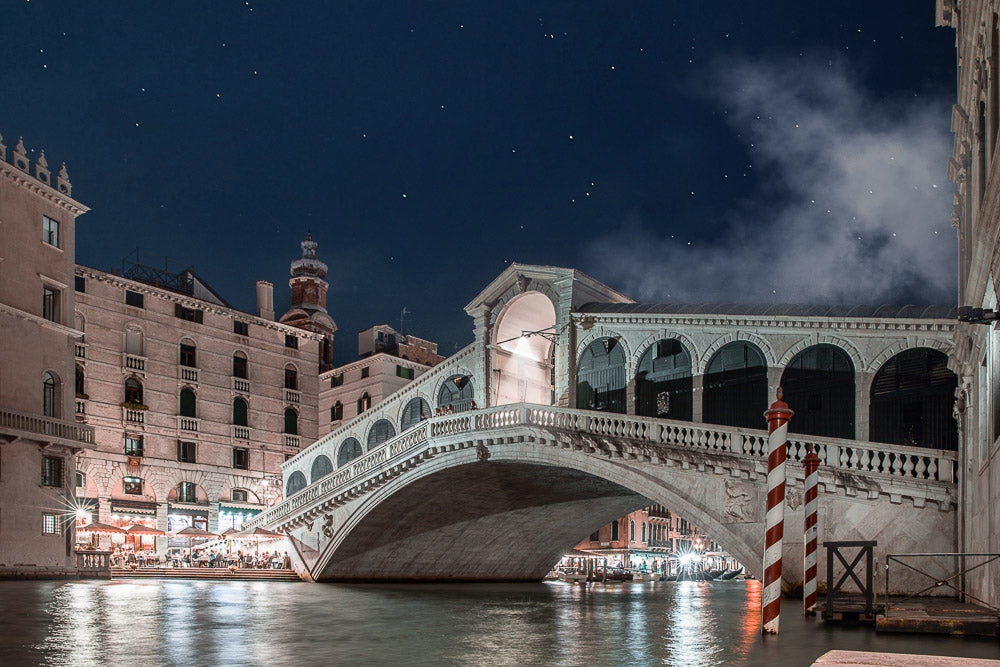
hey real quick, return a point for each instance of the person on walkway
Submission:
(286, 562)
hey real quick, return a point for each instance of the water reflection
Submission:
(216, 623)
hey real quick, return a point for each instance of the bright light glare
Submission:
(688, 559)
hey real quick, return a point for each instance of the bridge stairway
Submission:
(207, 573)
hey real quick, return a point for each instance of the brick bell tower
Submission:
(308, 308)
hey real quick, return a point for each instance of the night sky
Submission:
(728, 151)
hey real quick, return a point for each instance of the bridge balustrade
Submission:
(866, 457)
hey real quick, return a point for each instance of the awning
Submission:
(96, 527)
(139, 529)
(132, 507)
(188, 510)
(249, 511)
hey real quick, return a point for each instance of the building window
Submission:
(291, 422)
(241, 328)
(50, 303)
(291, 378)
(595, 536)
(51, 525)
(404, 372)
(133, 391)
(186, 492)
(240, 366)
(133, 445)
(52, 471)
(50, 231)
(241, 458)
(239, 495)
(336, 380)
(336, 411)
(188, 355)
(614, 530)
(364, 402)
(133, 298)
(50, 403)
(186, 452)
(132, 486)
(364, 372)
(188, 403)
(291, 341)
(81, 385)
(80, 284)
(189, 314)
(240, 411)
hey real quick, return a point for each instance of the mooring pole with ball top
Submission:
(774, 522)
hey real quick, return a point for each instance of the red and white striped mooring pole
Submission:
(811, 463)
(774, 521)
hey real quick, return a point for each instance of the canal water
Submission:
(178, 622)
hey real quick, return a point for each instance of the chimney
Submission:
(265, 300)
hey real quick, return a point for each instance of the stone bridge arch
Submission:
(453, 534)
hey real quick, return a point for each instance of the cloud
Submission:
(852, 205)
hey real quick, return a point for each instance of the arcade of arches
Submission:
(911, 395)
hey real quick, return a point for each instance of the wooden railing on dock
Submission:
(838, 602)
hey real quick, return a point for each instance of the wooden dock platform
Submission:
(868, 658)
(945, 616)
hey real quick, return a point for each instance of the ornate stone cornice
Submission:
(756, 322)
(28, 182)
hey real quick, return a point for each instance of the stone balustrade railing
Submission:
(914, 463)
(93, 561)
(46, 426)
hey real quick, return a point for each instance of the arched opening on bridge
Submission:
(350, 449)
(912, 397)
(663, 382)
(321, 467)
(380, 431)
(296, 482)
(523, 351)
(736, 386)
(416, 410)
(818, 385)
(456, 392)
(600, 377)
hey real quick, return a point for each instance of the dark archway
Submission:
(350, 449)
(912, 397)
(291, 421)
(600, 377)
(240, 412)
(818, 385)
(735, 385)
(457, 392)
(296, 482)
(380, 431)
(663, 382)
(416, 410)
(321, 467)
(188, 403)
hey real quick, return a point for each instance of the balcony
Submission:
(25, 425)
(81, 409)
(291, 396)
(80, 350)
(241, 385)
(293, 441)
(188, 424)
(241, 432)
(187, 374)
(133, 416)
(134, 362)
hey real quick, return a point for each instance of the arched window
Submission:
(79, 323)
(912, 397)
(600, 377)
(364, 402)
(818, 385)
(321, 467)
(133, 391)
(736, 386)
(50, 402)
(349, 449)
(188, 403)
(631, 531)
(240, 367)
(416, 410)
(296, 482)
(291, 421)
(240, 412)
(380, 431)
(81, 387)
(456, 391)
(663, 382)
(614, 530)
(291, 377)
(188, 353)
(643, 531)
(336, 411)
(133, 341)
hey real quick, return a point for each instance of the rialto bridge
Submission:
(574, 406)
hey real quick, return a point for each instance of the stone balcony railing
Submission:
(134, 362)
(187, 374)
(241, 432)
(188, 424)
(241, 385)
(291, 396)
(894, 462)
(93, 562)
(133, 416)
(293, 440)
(80, 350)
(20, 423)
(81, 409)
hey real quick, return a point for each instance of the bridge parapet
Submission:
(885, 465)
